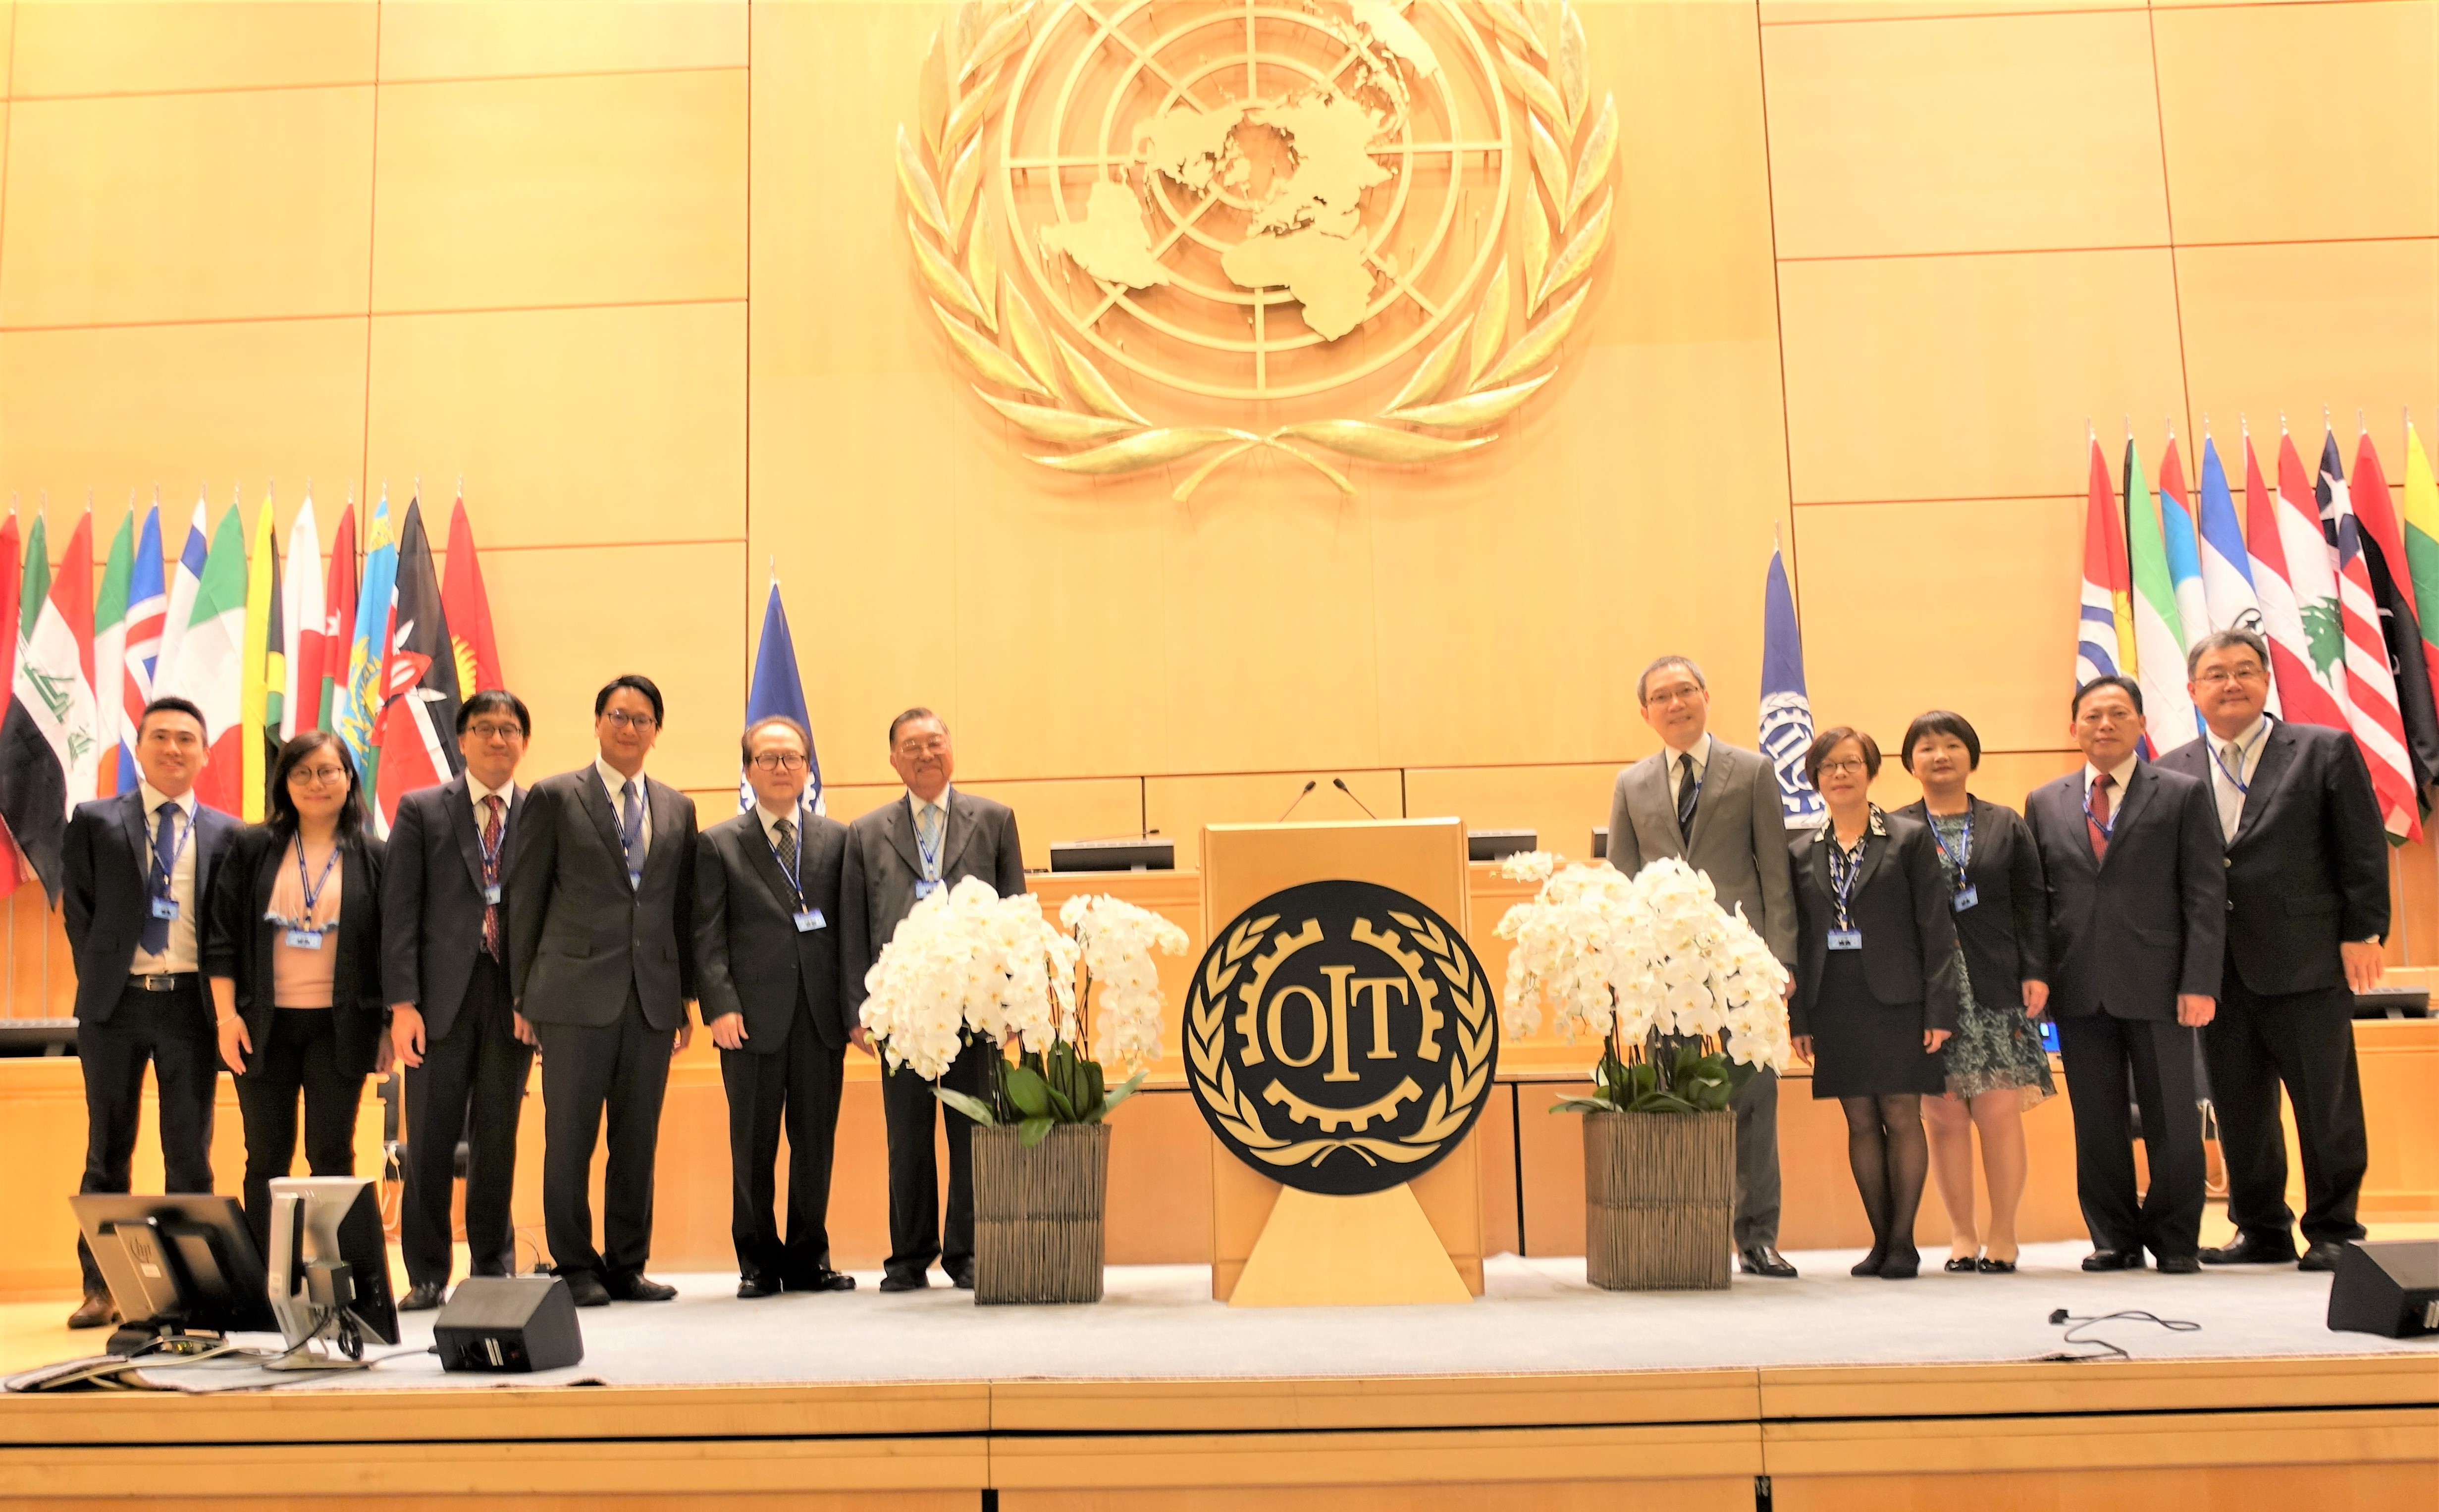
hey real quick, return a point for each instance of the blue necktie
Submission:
(631, 831)
(155, 937)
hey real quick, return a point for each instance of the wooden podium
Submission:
(1347, 1249)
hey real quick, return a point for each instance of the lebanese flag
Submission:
(2400, 609)
(211, 665)
(324, 651)
(2371, 686)
(2299, 605)
(469, 608)
(417, 728)
(2107, 614)
(300, 621)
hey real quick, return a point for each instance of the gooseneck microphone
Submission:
(1340, 783)
(1301, 792)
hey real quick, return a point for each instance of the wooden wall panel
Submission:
(1179, 807)
(490, 39)
(212, 206)
(2049, 136)
(148, 46)
(561, 191)
(1561, 804)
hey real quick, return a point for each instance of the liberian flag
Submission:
(2159, 634)
(2227, 570)
(2184, 549)
(110, 650)
(183, 581)
(2400, 611)
(2371, 688)
(211, 664)
(300, 623)
(2422, 541)
(148, 601)
(2102, 638)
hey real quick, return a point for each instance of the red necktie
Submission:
(492, 875)
(2099, 820)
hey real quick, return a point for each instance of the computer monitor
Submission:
(329, 1269)
(183, 1269)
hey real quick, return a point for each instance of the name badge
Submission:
(1966, 897)
(302, 939)
(491, 894)
(810, 921)
(925, 889)
(1846, 940)
(165, 908)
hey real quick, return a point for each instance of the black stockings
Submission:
(1890, 1156)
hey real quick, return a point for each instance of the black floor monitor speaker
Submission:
(2390, 1288)
(509, 1323)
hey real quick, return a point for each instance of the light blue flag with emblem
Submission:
(1786, 709)
(776, 689)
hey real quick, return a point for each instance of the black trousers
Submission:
(2101, 1053)
(796, 1085)
(172, 1031)
(1757, 1189)
(480, 1065)
(917, 1236)
(622, 1069)
(300, 1056)
(2306, 1042)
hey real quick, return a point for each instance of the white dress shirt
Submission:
(611, 780)
(2119, 776)
(2233, 762)
(1701, 751)
(476, 792)
(180, 955)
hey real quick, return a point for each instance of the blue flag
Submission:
(1786, 709)
(778, 689)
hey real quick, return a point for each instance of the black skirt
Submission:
(1863, 1047)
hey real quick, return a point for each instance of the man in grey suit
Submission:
(1716, 808)
(601, 900)
(901, 852)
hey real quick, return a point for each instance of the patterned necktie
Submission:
(630, 830)
(491, 828)
(786, 832)
(155, 936)
(2100, 816)
(1687, 789)
(927, 846)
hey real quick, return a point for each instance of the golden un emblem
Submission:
(1340, 1037)
(1375, 218)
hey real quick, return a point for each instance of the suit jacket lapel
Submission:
(901, 834)
(756, 841)
(1659, 815)
(131, 818)
(460, 809)
(2138, 792)
(2277, 754)
(1708, 795)
(598, 802)
(1876, 849)
(952, 844)
(668, 819)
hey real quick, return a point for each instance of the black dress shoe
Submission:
(586, 1290)
(94, 1312)
(2114, 1260)
(2252, 1249)
(421, 1297)
(1761, 1260)
(1989, 1267)
(963, 1277)
(905, 1280)
(1901, 1264)
(1963, 1265)
(2322, 1256)
(642, 1289)
(2179, 1264)
(750, 1286)
(824, 1279)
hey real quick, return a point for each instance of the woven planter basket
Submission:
(1037, 1214)
(1658, 1193)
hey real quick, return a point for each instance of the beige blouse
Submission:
(301, 978)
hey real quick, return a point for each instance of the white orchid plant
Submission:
(1685, 999)
(967, 963)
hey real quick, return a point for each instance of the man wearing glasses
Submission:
(601, 900)
(900, 853)
(767, 955)
(2307, 909)
(444, 972)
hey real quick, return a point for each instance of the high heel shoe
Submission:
(1870, 1264)
(1990, 1267)
(1901, 1264)
(1964, 1265)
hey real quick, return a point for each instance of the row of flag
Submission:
(2323, 568)
(378, 649)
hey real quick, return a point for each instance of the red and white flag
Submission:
(2371, 685)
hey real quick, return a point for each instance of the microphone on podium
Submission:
(1340, 783)
(1301, 794)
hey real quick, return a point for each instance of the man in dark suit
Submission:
(2138, 919)
(2307, 909)
(444, 972)
(767, 952)
(601, 963)
(1717, 809)
(138, 875)
(903, 851)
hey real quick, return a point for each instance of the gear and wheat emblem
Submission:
(1325, 228)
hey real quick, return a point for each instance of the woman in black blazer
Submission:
(1996, 1065)
(295, 965)
(1875, 985)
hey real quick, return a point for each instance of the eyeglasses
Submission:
(931, 747)
(1839, 769)
(780, 761)
(318, 776)
(2221, 677)
(487, 731)
(620, 718)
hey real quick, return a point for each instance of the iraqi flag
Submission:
(2371, 686)
(2422, 543)
(776, 690)
(50, 741)
(468, 609)
(417, 727)
(2297, 589)
(110, 650)
(2104, 633)
(2159, 631)
(2183, 545)
(210, 670)
(1785, 706)
(148, 601)
(300, 626)
(2400, 611)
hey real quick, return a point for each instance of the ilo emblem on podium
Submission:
(1341, 1039)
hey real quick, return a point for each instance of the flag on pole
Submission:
(211, 664)
(300, 621)
(1785, 707)
(147, 603)
(468, 609)
(360, 699)
(2227, 569)
(325, 652)
(13, 869)
(2400, 612)
(2159, 634)
(2371, 686)
(417, 732)
(110, 651)
(2102, 638)
(2298, 591)
(2422, 543)
(262, 669)
(183, 580)
(776, 689)
(50, 740)
(2184, 548)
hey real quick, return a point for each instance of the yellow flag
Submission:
(259, 594)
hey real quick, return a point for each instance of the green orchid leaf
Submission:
(1122, 1092)
(1034, 1130)
(974, 1108)
(1026, 1089)
(1583, 1105)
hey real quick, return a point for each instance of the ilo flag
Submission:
(300, 623)
(2158, 634)
(2184, 549)
(2371, 686)
(776, 689)
(2422, 543)
(2103, 635)
(2400, 612)
(148, 600)
(416, 734)
(1785, 707)
(210, 670)
(110, 651)
(50, 741)
(360, 700)
(468, 609)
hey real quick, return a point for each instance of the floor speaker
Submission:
(2390, 1288)
(509, 1323)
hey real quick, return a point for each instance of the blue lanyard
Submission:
(312, 890)
(930, 853)
(1964, 852)
(795, 873)
(2243, 754)
(186, 828)
(1843, 869)
(2108, 831)
(492, 847)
